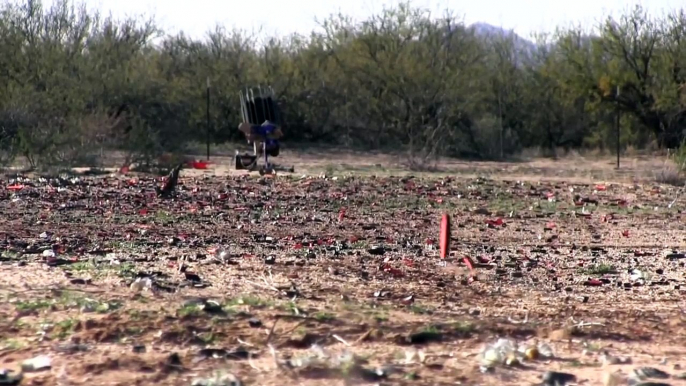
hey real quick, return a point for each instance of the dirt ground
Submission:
(332, 275)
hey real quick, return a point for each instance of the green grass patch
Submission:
(601, 269)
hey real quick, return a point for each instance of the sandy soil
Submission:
(572, 254)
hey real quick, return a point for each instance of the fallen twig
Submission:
(583, 324)
(263, 286)
(52, 289)
(277, 364)
(271, 332)
(303, 320)
(589, 324)
(241, 341)
(338, 338)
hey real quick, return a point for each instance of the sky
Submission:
(282, 17)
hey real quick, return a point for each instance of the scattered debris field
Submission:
(292, 280)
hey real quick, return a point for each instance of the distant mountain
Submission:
(487, 30)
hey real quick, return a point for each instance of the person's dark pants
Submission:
(273, 150)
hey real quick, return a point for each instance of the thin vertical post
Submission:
(208, 118)
(617, 128)
(500, 119)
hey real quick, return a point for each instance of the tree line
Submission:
(74, 83)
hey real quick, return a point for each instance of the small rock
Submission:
(303, 341)
(71, 348)
(207, 305)
(615, 379)
(650, 372)
(484, 369)
(607, 359)
(376, 250)
(212, 307)
(532, 353)
(41, 362)
(374, 375)
(545, 351)
(89, 307)
(218, 379)
(192, 277)
(139, 348)
(141, 284)
(422, 337)
(173, 360)
(9, 380)
(207, 353)
(254, 323)
(239, 353)
(651, 384)
(554, 378)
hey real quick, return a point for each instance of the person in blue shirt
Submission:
(267, 133)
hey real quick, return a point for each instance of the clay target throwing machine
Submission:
(262, 128)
